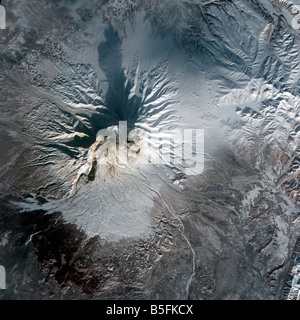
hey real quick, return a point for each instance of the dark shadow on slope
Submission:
(62, 250)
(117, 98)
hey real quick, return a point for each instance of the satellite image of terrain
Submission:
(150, 149)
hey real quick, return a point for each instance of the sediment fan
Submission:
(213, 220)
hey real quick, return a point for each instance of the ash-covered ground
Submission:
(77, 224)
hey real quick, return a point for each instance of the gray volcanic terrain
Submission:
(78, 223)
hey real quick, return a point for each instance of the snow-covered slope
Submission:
(73, 69)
